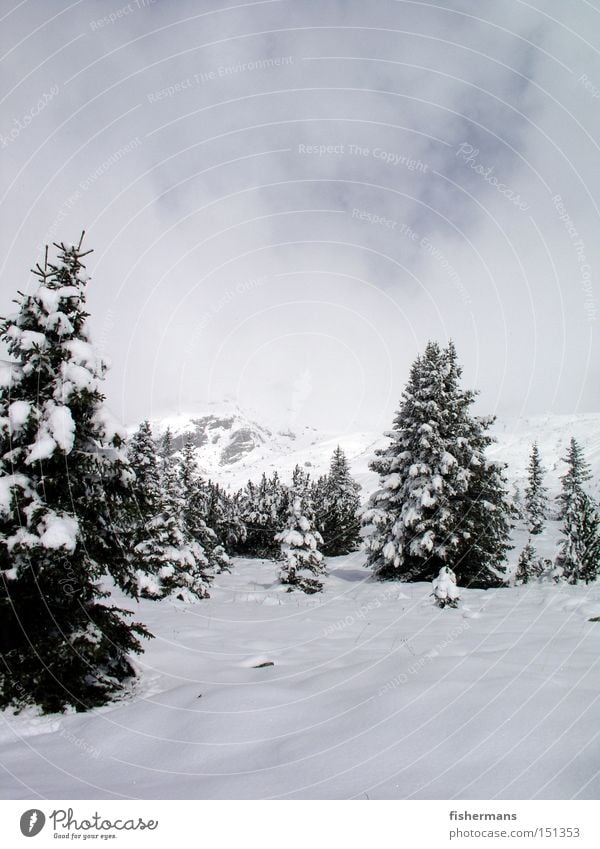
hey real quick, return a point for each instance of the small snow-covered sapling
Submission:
(445, 591)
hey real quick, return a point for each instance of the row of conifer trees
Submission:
(83, 508)
(187, 528)
(578, 558)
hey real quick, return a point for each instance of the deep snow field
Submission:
(374, 693)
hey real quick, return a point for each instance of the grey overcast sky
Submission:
(288, 198)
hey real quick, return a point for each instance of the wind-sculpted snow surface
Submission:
(373, 692)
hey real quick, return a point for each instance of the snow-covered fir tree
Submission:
(149, 532)
(166, 450)
(337, 503)
(441, 502)
(302, 561)
(166, 562)
(300, 481)
(246, 499)
(488, 521)
(318, 495)
(280, 495)
(577, 474)
(262, 519)
(445, 590)
(195, 511)
(517, 503)
(529, 565)
(224, 517)
(188, 575)
(489, 514)
(535, 493)
(65, 491)
(264, 513)
(579, 556)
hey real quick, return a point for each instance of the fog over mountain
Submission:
(287, 198)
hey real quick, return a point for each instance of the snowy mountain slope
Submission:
(374, 693)
(233, 448)
(228, 440)
(222, 434)
(552, 434)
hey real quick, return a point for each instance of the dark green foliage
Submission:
(577, 474)
(529, 565)
(168, 560)
(579, 556)
(149, 531)
(337, 502)
(60, 646)
(300, 543)
(441, 502)
(66, 491)
(223, 516)
(300, 481)
(535, 493)
(263, 510)
(210, 554)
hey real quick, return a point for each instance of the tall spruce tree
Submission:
(579, 556)
(149, 531)
(187, 576)
(441, 502)
(535, 493)
(65, 490)
(195, 511)
(337, 503)
(572, 482)
(165, 560)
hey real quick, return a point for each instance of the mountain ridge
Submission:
(232, 447)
